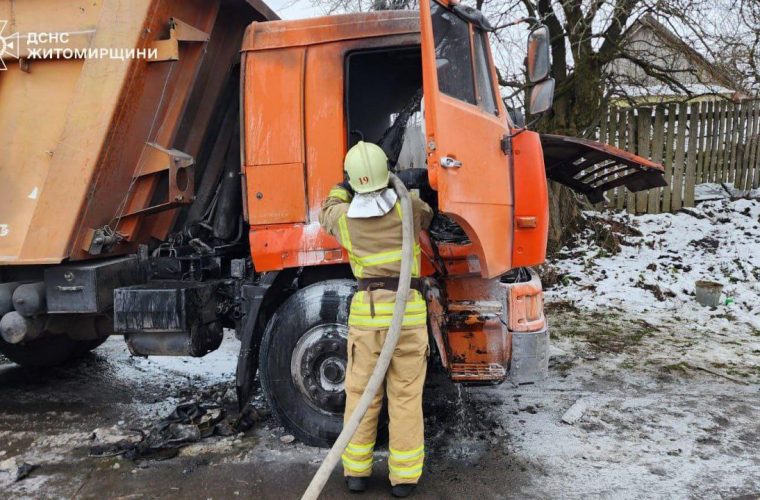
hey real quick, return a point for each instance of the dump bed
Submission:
(111, 113)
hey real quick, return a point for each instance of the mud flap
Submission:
(250, 339)
(591, 168)
(530, 357)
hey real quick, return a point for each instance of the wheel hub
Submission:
(318, 367)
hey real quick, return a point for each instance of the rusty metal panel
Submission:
(274, 107)
(591, 168)
(276, 194)
(338, 28)
(54, 120)
(75, 131)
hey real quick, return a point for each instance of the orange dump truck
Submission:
(163, 163)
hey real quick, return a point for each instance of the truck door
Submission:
(465, 123)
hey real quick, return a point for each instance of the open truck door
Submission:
(466, 125)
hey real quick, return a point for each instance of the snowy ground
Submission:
(649, 396)
(652, 279)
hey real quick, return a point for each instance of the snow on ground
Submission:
(664, 391)
(717, 241)
(652, 278)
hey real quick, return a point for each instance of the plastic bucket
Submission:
(708, 293)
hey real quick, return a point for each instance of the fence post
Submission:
(678, 163)
(667, 190)
(644, 138)
(754, 182)
(737, 161)
(633, 123)
(691, 157)
(702, 143)
(749, 141)
(658, 144)
(623, 128)
(714, 142)
(721, 159)
(612, 139)
(707, 126)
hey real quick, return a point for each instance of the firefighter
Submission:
(364, 214)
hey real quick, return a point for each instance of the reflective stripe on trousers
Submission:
(403, 385)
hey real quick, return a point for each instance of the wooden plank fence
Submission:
(698, 142)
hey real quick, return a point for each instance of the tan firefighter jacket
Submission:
(374, 249)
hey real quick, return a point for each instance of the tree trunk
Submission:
(578, 103)
(564, 216)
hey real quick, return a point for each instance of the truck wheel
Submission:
(303, 358)
(48, 352)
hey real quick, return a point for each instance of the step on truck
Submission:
(164, 162)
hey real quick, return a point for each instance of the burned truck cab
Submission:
(426, 92)
(424, 87)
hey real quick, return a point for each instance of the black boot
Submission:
(403, 490)
(356, 484)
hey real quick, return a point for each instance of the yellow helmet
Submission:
(367, 167)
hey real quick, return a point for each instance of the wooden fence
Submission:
(699, 142)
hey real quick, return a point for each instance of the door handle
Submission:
(448, 162)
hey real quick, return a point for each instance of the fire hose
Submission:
(384, 360)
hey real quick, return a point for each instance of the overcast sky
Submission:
(293, 9)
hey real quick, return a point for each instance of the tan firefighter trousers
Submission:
(403, 383)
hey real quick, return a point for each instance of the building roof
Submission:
(717, 74)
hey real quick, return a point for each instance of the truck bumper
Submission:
(530, 357)
(489, 330)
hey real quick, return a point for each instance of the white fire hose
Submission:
(384, 360)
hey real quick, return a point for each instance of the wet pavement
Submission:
(646, 430)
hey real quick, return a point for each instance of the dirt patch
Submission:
(707, 243)
(609, 332)
(607, 233)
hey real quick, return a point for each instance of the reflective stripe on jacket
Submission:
(374, 250)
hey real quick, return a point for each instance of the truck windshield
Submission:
(454, 60)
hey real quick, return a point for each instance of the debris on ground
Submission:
(17, 470)
(287, 439)
(575, 412)
(725, 190)
(188, 423)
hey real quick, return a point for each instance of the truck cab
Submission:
(423, 86)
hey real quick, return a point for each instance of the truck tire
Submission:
(303, 358)
(48, 352)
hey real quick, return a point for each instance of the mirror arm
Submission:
(527, 126)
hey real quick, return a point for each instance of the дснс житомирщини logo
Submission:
(8, 45)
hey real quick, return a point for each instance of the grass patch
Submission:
(605, 332)
(676, 368)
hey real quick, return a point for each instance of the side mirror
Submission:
(539, 59)
(542, 97)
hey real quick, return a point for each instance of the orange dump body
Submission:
(110, 140)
